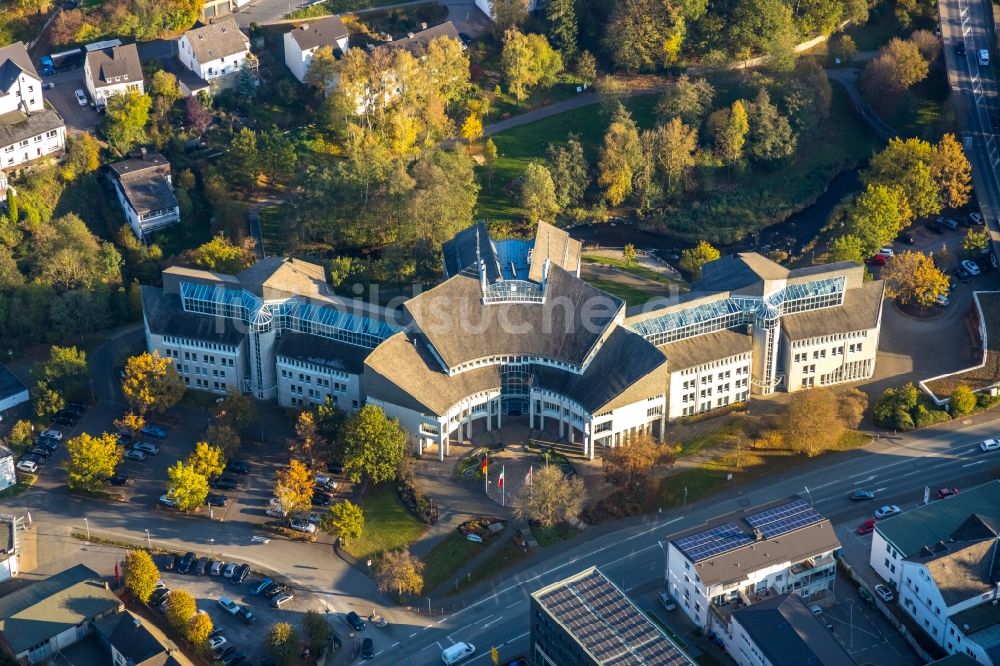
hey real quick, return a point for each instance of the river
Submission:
(792, 234)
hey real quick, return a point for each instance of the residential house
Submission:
(146, 193)
(301, 43)
(136, 642)
(12, 391)
(214, 51)
(29, 129)
(3, 186)
(486, 6)
(8, 475)
(918, 531)
(782, 631)
(39, 620)
(586, 620)
(743, 558)
(112, 71)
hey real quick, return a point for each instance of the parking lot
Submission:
(63, 99)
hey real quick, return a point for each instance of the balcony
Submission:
(811, 564)
(759, 595)
(723, 611)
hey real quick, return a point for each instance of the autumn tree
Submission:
(181, 608)
(125, 119)
(224, 436)
(83, 156)
(293, 486)
(21, 433)
(847, 248)
(951, 172)
(507, 15)
(643, 35)
(586, 67)
(283, 644)
(927, 43)
(563, 27)
(222, 255)
(207, 460)
(538, 194)
(686, 98)
(196, 116)
(317, 630)
(472, 127)
(186, 486)
(692, 259)
(621, 155)
(769, 135)
(906, 165)
(912, 276)
(198, 629)
(551, 498)
(400, 571)
(235, 409)
(629, 464)
(528, 61)
(322, 73)
(375, 445)
(812, 422)
(570, 172)
(675, 148)
(629, 254)
(910, 65)
(344, 519)
(91, 461)
(151, 383)
(962, 400)
(306, 446)
(877, 216)
(976, 242)
(141, 574)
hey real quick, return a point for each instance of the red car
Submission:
(866, 527)
(877, 260)
(946, 492)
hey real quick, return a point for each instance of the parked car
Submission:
(947, 223)
(51, 433)
(971, 267)
(229, 605)
(887, 511)
(989, 444)
(960, 49)
(170, 562)
(905, 237)
(355, 621)
(866, 527)
(320, 498)
(260, 586)
(167, 500)
(936, 228)
(859, 495)
(81, 97)
(64, 420)
(884, 593)
(229, 570)
(215, 567)
(975, 218)
(201, 566)
(946, 492)
(886, 251)
(667, 601)
(273, 590)
(240, 574)
(282, 599)
(237, 467)
(28, 466)
(326, 482)
(217, 642)
(40, 451)
(276, 512)
(146, 447)
(225, 651)
(224, 483)
(135, 455)
(232, 659)
(186, 561)
(962, 274)
(247, 615)
(302, 526)
(943, 300)
(214, 499)
(335, 468)
(984, 57)
(118, 479)
(368, 649)
(158, 596)
(877, 260)
(155, 431)
(866, 596)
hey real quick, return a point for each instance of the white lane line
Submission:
(864, 480)
(878, 490)
(516, 603)
(429, 626)
(491, 622)
(468, 625)
(978, 462)
(394, 645)
(378, 653)
(486, 653)
(413, 634)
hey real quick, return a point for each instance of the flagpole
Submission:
(503, 488)
(486, 475)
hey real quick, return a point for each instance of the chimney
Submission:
(758, 535)
(423, 25)
(410, 35)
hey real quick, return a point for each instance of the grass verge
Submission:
(24, 481)
(448, 557)
(388, 525)
(631, 295)
(549, 536)
(509, 555)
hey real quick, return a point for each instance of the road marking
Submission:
(468, 625)
(978, 462)
(864, 480)
(413, 634)
(394, 645)
(378, 653)
(491, 622)
(427, 627)
(516, 603)
(878, 490)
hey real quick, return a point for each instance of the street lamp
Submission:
(148, 544)
(87, 523)
(212, 542)
(808, 493)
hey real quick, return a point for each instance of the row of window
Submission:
(721, 389)
(719, 402)
(821, 353)
(189, 342)
(308, 379)
(220, 387)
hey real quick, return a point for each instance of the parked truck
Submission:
(61, 62)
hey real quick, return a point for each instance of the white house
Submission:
(302, 42)
(146, 193)
(215, 50)
(12, 391)
(747, 557)
(29, 130)
(487, 6)
(111, 71)
(8, 475)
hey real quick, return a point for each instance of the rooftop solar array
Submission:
(784, 519)
(608, 626)
(714, 541)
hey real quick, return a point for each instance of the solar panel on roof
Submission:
(714, 541)
(784, 519)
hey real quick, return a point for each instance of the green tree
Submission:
(181, 608)
(400, 571)
(125, 119)
(675, 148)
(962, 400)
(538, 194)
(62, 377)
(276, 155)
(552, 498)
(586, 67)
(563, 27)
(643, 35)
(490, 157)
(222, 255)
(951, 172)
(769, 136)
(621, 157)
(293, 486)
(243, 158)
(151, 383)
(905, 164)
(629, 254)
(375, 445)
(507, 15)
(877, 216)
(317, 630)
(164, 84)
(207, 460)
(283, 644)
(224, 436)
(910, 65)
(847, 248)
(569, 170)
(976, 242)
(322, 73)
(687, 99)
(344, 519)
(842, 46)
(83, 156)
(235, 409)
(729, 130)
(186, 486)
(91, 461)
(21, 433)
(692, 259)
(141, 574)
(527, 61)
(893, 408)
(760, 26)
(12, 210)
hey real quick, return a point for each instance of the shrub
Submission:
(962, 400)
(926, 417)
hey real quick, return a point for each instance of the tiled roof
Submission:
(20, 127)
(14, 59)
(789, 634)
(120, 62)
(165, 315)
(324, 32)
(962, 570)
(700, 349)
(145, 184)
(217, 40)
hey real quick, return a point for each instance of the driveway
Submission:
(62, 97)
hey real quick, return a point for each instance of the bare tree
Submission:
(551, 497)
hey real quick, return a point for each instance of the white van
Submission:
(457, 652)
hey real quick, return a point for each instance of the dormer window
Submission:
(125, 77)
(117, 79)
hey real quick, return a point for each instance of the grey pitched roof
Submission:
(788, 634)
(860, 310)
(144, 182)
(556, 245)
(701, 349)
(324, 352)
(977, 618)
(565, 327)
(220, 39)
(403, 371)
(131, 637)
(733, 565)
(165, 315)
(419, 41)
(324, 32)
(9, 384)
(14, 59)
(963, 569)
(118, 61)
(49, 607)
(744, 272)
(21, 127)
(925, 525)
(461, 251)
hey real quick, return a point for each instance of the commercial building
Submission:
(12, 391)
(782, 631)
(743, 558)
(301, 43)
(112, 71)
(10, 538)
(29, 130)
(586, 620)
(146, 193)
(39, 620)
(8, 474)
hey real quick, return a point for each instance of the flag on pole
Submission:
(503, 490)
(527, 477)
(486, 464)
(500, 479)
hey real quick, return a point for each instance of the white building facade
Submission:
(145, 191)
(301, 43)
(112, 71)
(215, 50)
(8, 475)
(31, 130)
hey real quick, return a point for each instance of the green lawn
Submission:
(447, 558)
(388, 525)
(549, 536)
(634, 269)
(880, 28)
(24, 481)
(631, 295)
(273, 231)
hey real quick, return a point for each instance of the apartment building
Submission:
(29, 129)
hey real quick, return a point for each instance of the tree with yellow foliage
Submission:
(472, 127)
(92, 461)
(207, 460)
(912, 276)
(621, 156)
(294, 487)
(951, 172)
(151, 383)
